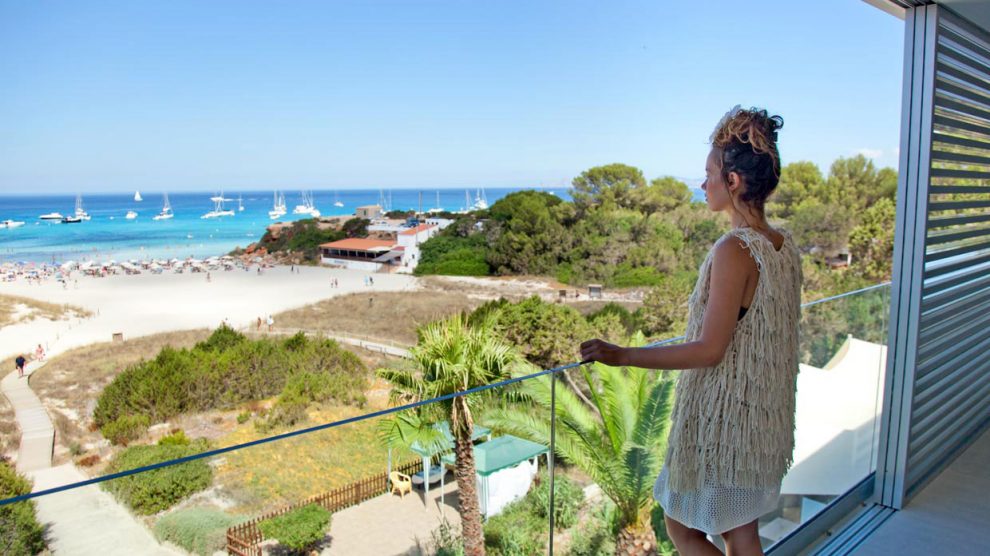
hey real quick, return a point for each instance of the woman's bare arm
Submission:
(732, 267)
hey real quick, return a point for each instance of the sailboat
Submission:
(437, 208)
(166, 212)
(240, 203)
(137, 196)
(307, 207)
(480, 201)
(278, 206)
(80, 212)
(336, 200)
(218, 209)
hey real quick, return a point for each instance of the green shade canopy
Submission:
(448, 439)
(500, 453)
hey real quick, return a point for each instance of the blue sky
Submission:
(181, 95)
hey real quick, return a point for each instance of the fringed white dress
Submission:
(732, 430)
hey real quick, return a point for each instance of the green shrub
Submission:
(125, 429)
(243, 417)
(596, 536)
(453, 255)
(153, 491)
(227, 370)
(198, 530)
(20, 532)
(299, 529)
(177, 438)
(446, 540)
(567, 498)
(515, 531)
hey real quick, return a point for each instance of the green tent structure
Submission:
(446, 446)
(505, 468)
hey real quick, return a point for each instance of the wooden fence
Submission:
(244, 539)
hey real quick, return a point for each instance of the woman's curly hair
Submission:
(747, 144)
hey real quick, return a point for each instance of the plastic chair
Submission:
(400, 481)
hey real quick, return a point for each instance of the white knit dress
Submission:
(732, 430)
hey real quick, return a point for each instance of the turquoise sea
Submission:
(109, 235)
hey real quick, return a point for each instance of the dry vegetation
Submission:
(391, 316)
(70, 383)
(16, 309)
(10, 434)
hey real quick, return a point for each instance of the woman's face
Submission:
(716, 192)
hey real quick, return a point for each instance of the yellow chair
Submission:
(400, 481)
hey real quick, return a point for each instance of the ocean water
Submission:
(110, 236)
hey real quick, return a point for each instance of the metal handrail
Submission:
(358, 418)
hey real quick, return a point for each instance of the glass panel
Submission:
(843, 358)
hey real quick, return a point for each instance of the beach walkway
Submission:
(81, 521)
(37, 431)
(369, 344)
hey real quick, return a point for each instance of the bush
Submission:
(125, 429)
(453, 255)
(299, 529)
(20, 532)
(227, 370)
(177, 438)
(596, 536)
(198, 530)
(445, 540)
(153, 491)
(243, 417)
(515, 531)
(567, 499)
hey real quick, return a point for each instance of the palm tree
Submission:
(621, 448)
(450, 357)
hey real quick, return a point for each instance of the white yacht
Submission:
(336, 200)
(131, 215)
(81, 213)
(218, 210)
(278, 206)
(51, 216)
(437, 208)
(8, 224)
(307, 207)
(480, 201)
(166, 212)
(137, 197)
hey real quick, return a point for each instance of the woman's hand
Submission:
(603, 352)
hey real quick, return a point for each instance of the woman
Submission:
(732, 431)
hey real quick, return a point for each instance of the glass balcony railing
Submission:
(386, 479)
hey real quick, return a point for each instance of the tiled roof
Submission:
(359, 244)
(417, 229)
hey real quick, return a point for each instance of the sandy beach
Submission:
(146, 303)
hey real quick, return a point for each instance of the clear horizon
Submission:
(185, 96)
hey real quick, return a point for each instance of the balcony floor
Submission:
(949, 516)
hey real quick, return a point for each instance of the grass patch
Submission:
(15, 309)
(201, 531)
(395, 317)
(71, 382)
(284, 472)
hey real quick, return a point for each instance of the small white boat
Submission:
(218, 210)
(71, 220)
(166, 212)
(137, 196)
(336, 200)
(80, 211)
(51, 216)
(480, 201)
(131, 215)
(8, 224)
(278, 206)
(240, 204)
(438, 208)
(308, 207)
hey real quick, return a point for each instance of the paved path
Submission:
(80, 521)
(369, 344)
(87, 520)
(37, 432)
(390, 526)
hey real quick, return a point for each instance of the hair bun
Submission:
(754, 127)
